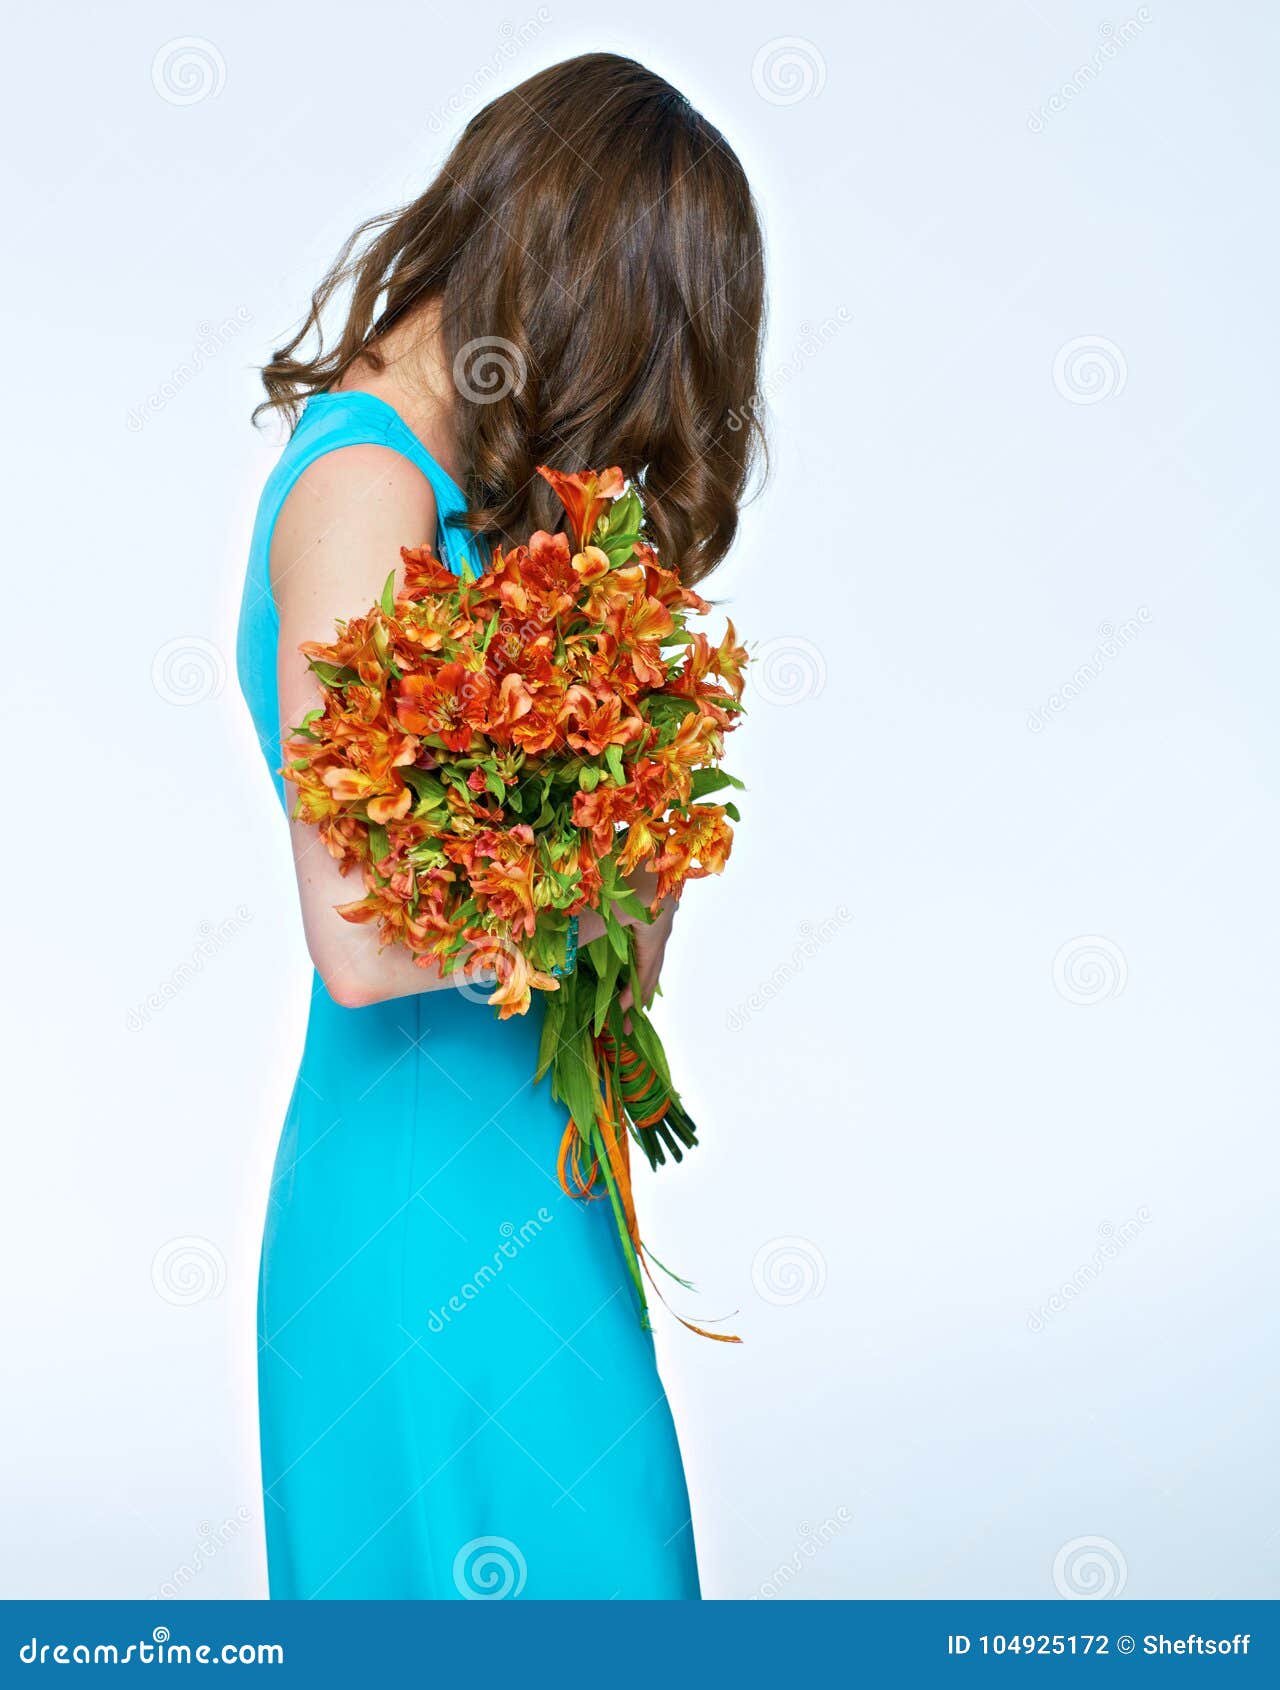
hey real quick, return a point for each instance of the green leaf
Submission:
(388, 599)
(379, 844)
(706, 781)
(331, 674)
(613, 758)
(429, 791)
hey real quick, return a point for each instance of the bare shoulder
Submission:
(344, 521)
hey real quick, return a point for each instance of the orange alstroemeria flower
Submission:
(696, 845)
(517, 978)
(584, 497)
(601, 811)
(448, 703)
(595, 719)
(502, 875)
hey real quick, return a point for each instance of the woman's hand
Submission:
(651, 947)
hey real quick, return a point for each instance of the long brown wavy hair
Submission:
(594, 251)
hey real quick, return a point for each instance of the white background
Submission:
(961, 500)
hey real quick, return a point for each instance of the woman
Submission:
(457, 1397)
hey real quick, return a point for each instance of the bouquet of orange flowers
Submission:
(496, 754)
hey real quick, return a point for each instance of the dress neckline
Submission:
(350, 393)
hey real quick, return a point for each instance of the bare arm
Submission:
(337, 538)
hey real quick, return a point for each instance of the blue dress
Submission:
(456, 1397)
